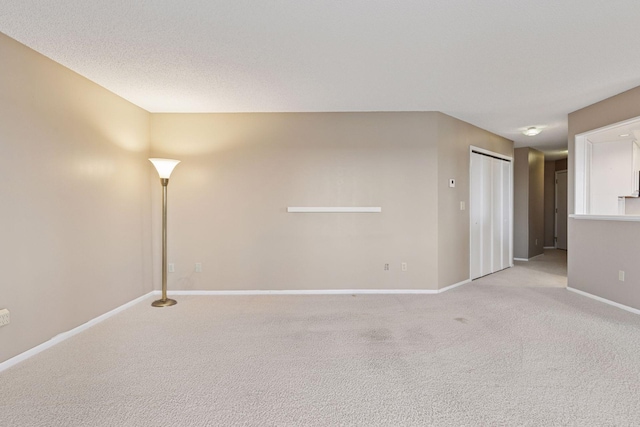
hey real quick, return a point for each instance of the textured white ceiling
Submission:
(502, 65)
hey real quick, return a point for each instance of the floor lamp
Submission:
(164, 168)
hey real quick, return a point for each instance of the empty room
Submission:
(319, 213)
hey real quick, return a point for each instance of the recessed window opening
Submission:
(607, 170)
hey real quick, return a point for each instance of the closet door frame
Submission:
(509, 205)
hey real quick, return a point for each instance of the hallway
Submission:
(548, 270)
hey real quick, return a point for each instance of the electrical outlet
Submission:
(5, 319)
(172, 268)
(621, 275)
(198, 267)
(404, 266)
(462, 207)
(536, 242)
(386, 267)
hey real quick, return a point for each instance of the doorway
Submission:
(490, 212)
(561, 210)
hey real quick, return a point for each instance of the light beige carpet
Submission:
(546, 270)
(478, 355)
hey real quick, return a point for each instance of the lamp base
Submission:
(164, 302)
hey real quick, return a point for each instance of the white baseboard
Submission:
(604, 300)
(455, 285)
(65, 335)
(305, 292)
(315, 291)
(528, 259)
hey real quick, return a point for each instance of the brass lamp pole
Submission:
(164, 168)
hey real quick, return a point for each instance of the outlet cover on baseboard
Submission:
(4, 317)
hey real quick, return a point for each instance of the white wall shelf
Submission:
(348, 209)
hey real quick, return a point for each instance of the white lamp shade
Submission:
(164, 166)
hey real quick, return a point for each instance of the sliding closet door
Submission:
(507, 206)
(490, 215)
(486, 197)
(475, 212)
(496, 215)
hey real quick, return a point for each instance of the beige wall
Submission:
(521, 203)
(528, 186)
(549, 203)
(536, 202)
(454, 139)
(599, 249)
(241, 171)
(75, 199)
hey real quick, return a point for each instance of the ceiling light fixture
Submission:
(624, 135)
(532, 131)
